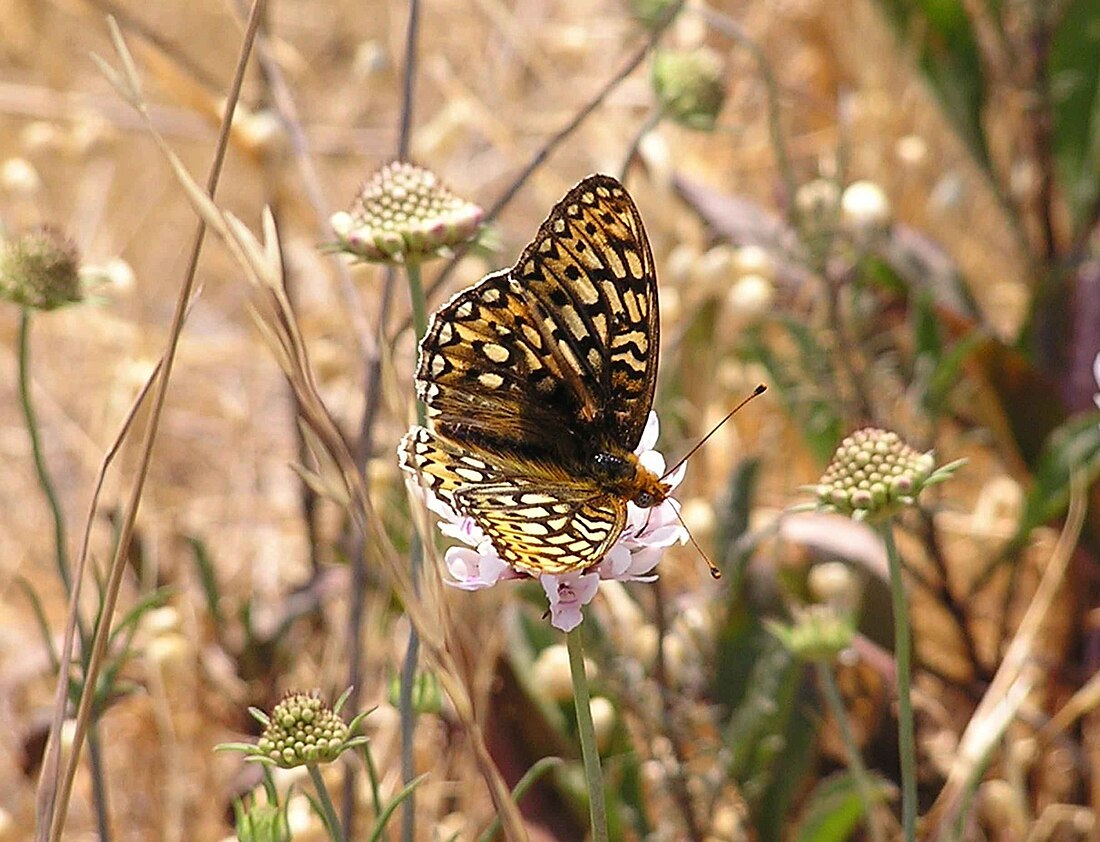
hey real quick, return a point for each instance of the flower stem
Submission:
(592, 774)
(416, 559)
(902, 651)
(855, 760)
(44, 479)
(328, 812)
(419, 316)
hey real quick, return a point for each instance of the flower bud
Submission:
(690, 85)
(301, 730)
(18, 177)
(551, 673)
(427, 695)
(874, 472)
(405, 214)
(865, 210)
(650, 13)
(818, 633)
(603, 721)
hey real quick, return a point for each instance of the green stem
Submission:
(591, 754)
(44, 480)
(855, 759)
(419, 316)
(902, 652)
(328, 811)
(416, 559)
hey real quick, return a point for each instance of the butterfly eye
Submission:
(644, 499)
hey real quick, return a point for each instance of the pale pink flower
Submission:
(648, 533)
(1096, 374)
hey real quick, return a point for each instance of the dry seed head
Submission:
(690, 85)
(40, 269)
(405, 214)
(303, 730)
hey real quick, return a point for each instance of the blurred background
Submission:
(886, 211)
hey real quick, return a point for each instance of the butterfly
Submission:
(538, 381)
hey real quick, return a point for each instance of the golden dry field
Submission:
(884, 210)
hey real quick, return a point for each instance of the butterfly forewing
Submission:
(532, 372)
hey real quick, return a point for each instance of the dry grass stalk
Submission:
(337, 476)
(1017, 675)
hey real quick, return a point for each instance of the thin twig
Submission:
(556, 140)
(365, 447)
(648, 125)
(51, 759)
(122, 549)
(283, 101)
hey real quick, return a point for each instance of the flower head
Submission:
(40, 269)
(874, 472)
(404, 213)
(301, 730)
(648, 532)
(690, 85)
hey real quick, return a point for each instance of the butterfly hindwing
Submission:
(539, 528)
(538, 519)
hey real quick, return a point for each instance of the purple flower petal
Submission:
(567, 594)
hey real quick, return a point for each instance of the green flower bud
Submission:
(818, 633)
(303, 730)
(690, 85)
(40, 269)
(650, 13)
(427, 695)
(873, 473)
(405, 214)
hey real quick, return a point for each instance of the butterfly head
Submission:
(629, 478)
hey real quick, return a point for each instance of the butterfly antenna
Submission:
(759, 390)
(714, 571)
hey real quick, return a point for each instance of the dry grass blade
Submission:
(262, 266)
(1015, 677)
(55, 803)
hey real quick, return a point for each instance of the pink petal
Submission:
(567, 594)
(472, 570)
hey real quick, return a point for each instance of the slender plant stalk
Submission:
(597, 809)
(61, 555)
(45, 481)
(99, 782)
(58, 805)
(855, 759)
(328, 811)
(648, 125)
(416, 561)
(560, 136)
(902, 653)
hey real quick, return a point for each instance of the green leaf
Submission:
(1073, 446)
(833, 810)
(947, 51)
(1073, 68)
